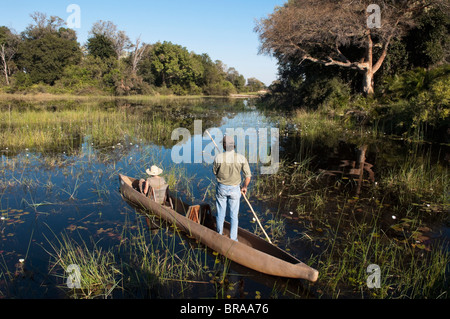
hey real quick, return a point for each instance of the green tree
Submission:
(101, 46)
(85, 77)
(428, 43)
(212, 72)
(172, 66)
(119, 39)
(213, 80)
(46, 49)
(255, 85)
(336, 33)
(238, 80)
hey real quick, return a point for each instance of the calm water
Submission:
(49, 190)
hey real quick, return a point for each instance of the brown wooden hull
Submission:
(250, 250)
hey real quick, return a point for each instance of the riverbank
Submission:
(43, 97)
(414, 105)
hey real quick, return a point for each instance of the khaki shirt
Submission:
(159, 186)
(228, 166)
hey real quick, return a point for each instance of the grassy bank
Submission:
(414, 104)
(49, 123)
(48, 97)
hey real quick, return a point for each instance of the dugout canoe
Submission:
(250, 250)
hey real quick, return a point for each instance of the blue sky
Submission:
(223, 29)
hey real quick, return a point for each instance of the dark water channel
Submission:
(69, 185)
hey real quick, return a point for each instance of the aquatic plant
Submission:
(99, 273)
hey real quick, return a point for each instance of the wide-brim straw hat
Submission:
(154, 171)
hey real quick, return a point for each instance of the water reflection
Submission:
(354, 169)
(59, 170)
(59, 167)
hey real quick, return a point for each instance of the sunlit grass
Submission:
(43, 130)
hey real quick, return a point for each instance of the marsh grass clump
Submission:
(156, 264)
(160, 258)
(316, 124)
(291, 179)
(416, 180)
(99, 271)
(407, 270)
(42, 128)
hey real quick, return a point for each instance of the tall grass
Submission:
(406, 271)
(417, 180)
(385, 225)
(314, 124)
(99, 272)
(161, 257)
(64, 126)
(42, 130)
(142, 262)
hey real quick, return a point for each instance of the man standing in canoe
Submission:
(227, 168)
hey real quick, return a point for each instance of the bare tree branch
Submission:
(138, 54)
(319, 30)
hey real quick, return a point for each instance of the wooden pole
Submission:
(245, 197)
(213, 140)
(256, 217)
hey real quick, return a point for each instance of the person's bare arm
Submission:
(246, 183)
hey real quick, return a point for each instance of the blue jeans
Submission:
(228, 196)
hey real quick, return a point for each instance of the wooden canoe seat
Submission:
(201, 214)
(193, 213)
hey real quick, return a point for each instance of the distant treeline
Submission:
(47, 57)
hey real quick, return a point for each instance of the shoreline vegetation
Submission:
(43, 97)
(61, 115)
(393, 223)
(47, 58)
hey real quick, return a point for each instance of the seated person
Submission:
(155, 186)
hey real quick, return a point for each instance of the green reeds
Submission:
(99, 273)
(158, 261)
(160, 258)
(386, 225)
(406, 271)
(41, 129)
(418, 180)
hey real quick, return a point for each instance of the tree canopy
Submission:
(101, 46)
(45, 49)
(337, 33)
(48, 54)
